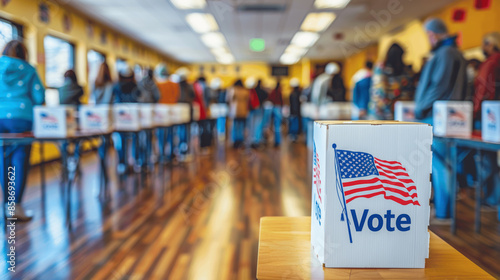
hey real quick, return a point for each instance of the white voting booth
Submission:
(370, 194)
(490, 116)
(452, 118)
(96, 118)
(127, 116)
(404, 111)
(56, 121)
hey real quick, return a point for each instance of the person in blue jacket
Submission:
(361, 92)
(444, 77)
(20, 90)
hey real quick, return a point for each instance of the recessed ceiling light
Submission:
(331, 4)
(305, 39)
(298, 51)
(289, 59)
(317, 22)
(189, 4)
(220, 51)
(202, 23)
(225, 59)
(213, 40)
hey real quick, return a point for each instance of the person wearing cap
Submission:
(294, 120)
(487, 88)
(125, 91)
(444, 77)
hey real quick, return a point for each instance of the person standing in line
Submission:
(149, 95)
(260, 120)
(125, 91)
(71, 92)
(361, 92)
(186, 96)
(295, 117)
(169, 94)
(20, 90)
(201, 100)
(239, 99)
(487, 87)
(444, 77)
(219, 97)
(103, 86)
(392, 81)
(337, 90)
(276, 97)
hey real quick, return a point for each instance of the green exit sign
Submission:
(257, 44)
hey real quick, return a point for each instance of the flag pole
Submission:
(339, 177)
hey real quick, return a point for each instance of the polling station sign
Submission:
(370, 194)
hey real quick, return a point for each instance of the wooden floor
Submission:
(194, 221)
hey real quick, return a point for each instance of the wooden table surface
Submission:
(285, 253)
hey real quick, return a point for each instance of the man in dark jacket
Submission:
(444, 77)
(294, 122)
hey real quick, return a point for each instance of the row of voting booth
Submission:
(455, 118)
(65, 121)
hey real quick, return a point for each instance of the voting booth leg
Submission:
(479, 163)
(452, 165)
(103, 151)
(42, 177)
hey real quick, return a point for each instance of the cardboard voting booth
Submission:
(452, 118)
(370, 194)
(57, 122)
(218, 110)
(404, 111)
(127, 117)
(146, 115)
(335, 111)
(490, 130)
(96, 118)
(180, 113)
(161, 115)
(309, 110)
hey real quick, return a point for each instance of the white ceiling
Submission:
(159, 24)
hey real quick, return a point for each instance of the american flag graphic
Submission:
(364, 175)
(454, 114)
(316, 172)
(491, 116)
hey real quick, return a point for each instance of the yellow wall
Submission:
(25, 13)
(477, 23)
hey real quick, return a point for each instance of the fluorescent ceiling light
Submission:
(332, 4)
(289, 59)
(202, 23)
(213, 40)
(305, 39)
(317, 22)
(225, 59)
(220, 51)
(189, 4)
(294, 50)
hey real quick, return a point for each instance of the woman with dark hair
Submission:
(392, 80)
(70, 93)
(103, 86)
(20, 90)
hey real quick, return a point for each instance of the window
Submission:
(94, 61)
(59, 57)
(8, 32)
(138, 72)
(121, 64)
